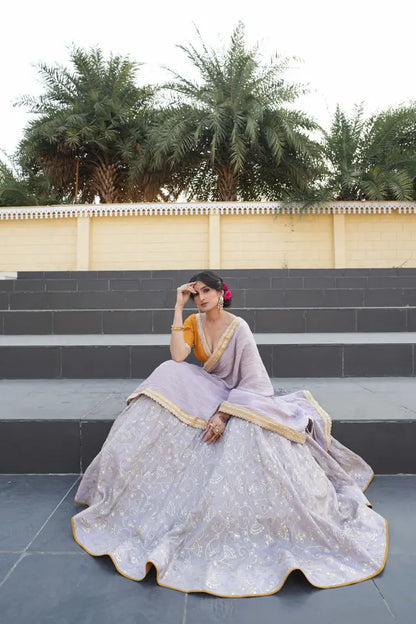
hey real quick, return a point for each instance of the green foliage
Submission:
(235, 126)
(13, 192)
(372, 158)
(232, 133)
(95, 114)
(19, 190)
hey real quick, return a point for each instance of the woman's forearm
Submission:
(179, 349)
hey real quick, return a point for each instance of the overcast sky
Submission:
(358, 50)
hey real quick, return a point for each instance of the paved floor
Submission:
(45, 577)
(348, 398)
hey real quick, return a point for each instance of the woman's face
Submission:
(206, 297)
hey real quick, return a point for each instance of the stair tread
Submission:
(329, 338)
(359, 399)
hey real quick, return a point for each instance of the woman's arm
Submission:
(179, 349)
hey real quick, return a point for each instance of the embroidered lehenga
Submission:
(276, 493)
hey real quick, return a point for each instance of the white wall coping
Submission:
(204, 208)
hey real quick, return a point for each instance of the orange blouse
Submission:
(193, 339)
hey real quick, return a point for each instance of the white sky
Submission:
(356, 50)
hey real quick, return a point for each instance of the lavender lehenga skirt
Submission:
(232, 518)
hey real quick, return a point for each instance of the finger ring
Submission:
(217, 430)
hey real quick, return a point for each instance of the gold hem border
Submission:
(202, 335)
(364, 489)
(222, 344)
(325, 417)
(190, 591)
(188, 419)
(132, 397)
(262, 421)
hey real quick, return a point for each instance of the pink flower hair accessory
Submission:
(227, 292)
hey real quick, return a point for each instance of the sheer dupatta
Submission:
(251, 395)
(234, 381)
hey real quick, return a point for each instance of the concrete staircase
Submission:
(114, 325)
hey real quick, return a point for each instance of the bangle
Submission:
(177, 328)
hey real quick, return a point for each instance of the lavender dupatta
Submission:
(234, 381)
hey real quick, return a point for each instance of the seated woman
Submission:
(222, 486)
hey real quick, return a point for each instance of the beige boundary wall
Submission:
(219, 235)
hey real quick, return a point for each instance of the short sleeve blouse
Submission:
(192, 338)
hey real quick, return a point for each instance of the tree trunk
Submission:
(151, 187)
(152, 184)
(227, 183)
(105, 182)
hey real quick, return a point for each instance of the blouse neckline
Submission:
(203, 337)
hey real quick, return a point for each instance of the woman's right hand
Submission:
(183, 293)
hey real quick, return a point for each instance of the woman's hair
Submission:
(212, 280)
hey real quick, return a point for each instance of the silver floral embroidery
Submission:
(231, 518)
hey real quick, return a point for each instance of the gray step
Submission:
(132, 356)
(68, 446)
(266, 282)
(159, 320)
(242, 298)
(225, 273)
(59, 426)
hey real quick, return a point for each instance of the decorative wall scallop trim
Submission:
(203, 208)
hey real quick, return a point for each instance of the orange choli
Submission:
(193, 339)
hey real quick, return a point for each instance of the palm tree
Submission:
(160, 181)
(234, 127)
(16, 189)
(373, 158)
(89, 121)
(13, 192)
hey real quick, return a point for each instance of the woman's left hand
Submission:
(215, 427)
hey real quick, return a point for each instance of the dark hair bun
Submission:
(212, 280)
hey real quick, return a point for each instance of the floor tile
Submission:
(26, 502)
(297, 601)
(393, 497)
(56, 536)
(7, 561)
(70, 589)
(57, 582)
(397, 585)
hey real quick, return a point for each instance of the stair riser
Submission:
(296, 320)
(266, 282)
(224, 273)
(69, 446)
(297, 298)
(132, 362)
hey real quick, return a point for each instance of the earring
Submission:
(220, 302)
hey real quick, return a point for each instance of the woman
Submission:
(219, 484)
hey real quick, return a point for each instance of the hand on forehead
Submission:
(199, 286)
